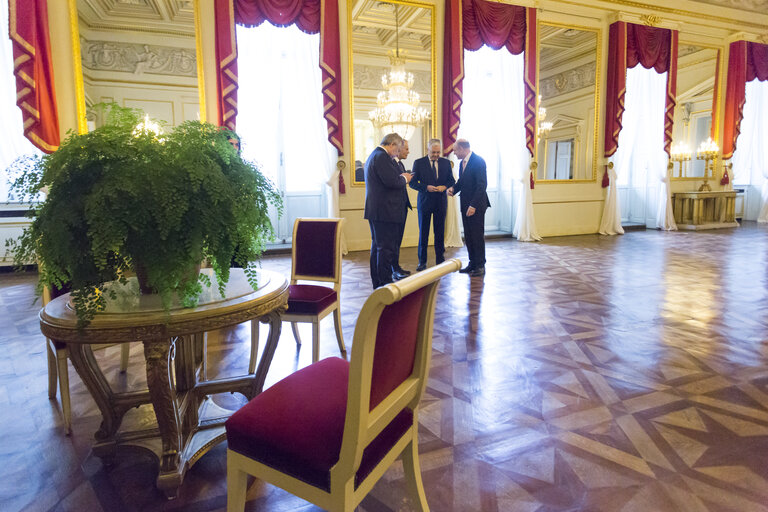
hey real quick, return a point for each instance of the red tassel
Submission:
(342, 186)
(726, 180)
(531, 176)
(606, 179)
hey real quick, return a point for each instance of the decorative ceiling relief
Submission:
(369, 77)
(138, 58)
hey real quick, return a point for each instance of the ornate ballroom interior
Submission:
(614, 357)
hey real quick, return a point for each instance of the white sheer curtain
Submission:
(13, 143)
(280, 111)
(453, 222)
(492, 120)
(750, 160)
(641, 147)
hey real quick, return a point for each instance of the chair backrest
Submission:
(391, 351)
(316, 252)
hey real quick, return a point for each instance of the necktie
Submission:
(461, 168)
(434, 170)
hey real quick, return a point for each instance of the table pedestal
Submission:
(705, 209)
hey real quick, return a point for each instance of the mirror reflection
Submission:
(696, 69)
(568, 67)
(140, 55)
(392, 75)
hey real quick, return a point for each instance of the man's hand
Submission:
(407, 177)
(470, 211)
(440, 188)
(450, 191)
(432, 188)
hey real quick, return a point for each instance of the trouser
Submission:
(401, 233)
(474, 237)
(384, 236)
(425, 219)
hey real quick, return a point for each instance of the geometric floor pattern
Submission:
(582, 373)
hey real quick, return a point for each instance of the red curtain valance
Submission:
(746, 61)
(476, 23)
(310, 16)
(305, 14)
(629, 45)
(33, 68)
(494, 24)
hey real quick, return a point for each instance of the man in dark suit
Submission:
(384, 206)
(472, 184)
(399, 272)
(432, 176)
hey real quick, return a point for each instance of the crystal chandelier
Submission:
(398, 108)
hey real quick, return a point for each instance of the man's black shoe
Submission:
(400, 270)
(396, 276)
(422, 266)
(466, 270)
(478, 272)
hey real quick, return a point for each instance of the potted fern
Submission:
(125, 198)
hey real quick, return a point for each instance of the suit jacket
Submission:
(472, 184)
(423, 176)
(384, 188)
(408, 205)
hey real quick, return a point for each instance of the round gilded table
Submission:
(188, 422)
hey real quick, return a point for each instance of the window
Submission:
(280, 117)
(13, 143)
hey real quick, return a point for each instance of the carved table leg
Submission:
(159, 354)
(275, 325)
(90, 373)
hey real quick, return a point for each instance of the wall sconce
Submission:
(680, 153)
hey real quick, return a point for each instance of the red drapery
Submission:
(32, 66)
(629, 45)
(746, 61)
(310, 16)
(479, 22)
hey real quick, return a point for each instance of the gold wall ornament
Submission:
(763, 38)
(561, 81)
(651, 20)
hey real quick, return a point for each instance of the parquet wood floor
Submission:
(591, 373)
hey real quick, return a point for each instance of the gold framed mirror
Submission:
(695, 121)
(376, 30)
(144, 55)
(569, 102)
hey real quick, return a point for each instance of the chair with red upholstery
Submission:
(329, 431)
(316, 256)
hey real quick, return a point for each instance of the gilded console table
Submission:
(188, 423)
(705, 209)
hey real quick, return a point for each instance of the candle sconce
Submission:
(707, 151)
(680, 153)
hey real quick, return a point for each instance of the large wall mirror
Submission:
(378, 29)
(569, 66)
(140, 54)
(697, 67)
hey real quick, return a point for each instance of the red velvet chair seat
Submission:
(309, 299)
(296, 426)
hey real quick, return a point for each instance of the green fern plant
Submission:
(119, 199)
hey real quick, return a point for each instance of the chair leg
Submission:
(254, 346)
(53, 381)
(66, 409)
(339, 333)
(237, 481)
(412, 470)
(295, 329)
(315, 339)
(125, 353)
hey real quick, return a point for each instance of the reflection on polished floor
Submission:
(624, 373)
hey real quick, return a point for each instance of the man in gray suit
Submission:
(384, 206)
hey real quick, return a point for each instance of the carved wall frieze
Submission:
(138, 58)
(369, 77)
(760, 6)
(571, 80)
